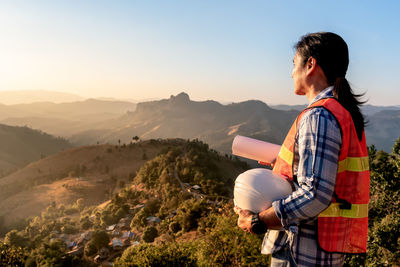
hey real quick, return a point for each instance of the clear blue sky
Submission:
(222, 50)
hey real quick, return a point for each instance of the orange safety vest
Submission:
(343, 226)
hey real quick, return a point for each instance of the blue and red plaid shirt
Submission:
(315, 164)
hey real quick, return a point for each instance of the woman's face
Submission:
(299, 75)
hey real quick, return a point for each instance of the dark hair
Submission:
(332, 55)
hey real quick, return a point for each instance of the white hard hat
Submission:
(256, 189)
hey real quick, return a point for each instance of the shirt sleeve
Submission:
(318, 145)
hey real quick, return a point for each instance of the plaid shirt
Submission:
(315, 164)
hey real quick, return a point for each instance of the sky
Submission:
(226, 50)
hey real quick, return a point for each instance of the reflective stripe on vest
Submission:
(286, 155)
(356, 211)
(354, 164)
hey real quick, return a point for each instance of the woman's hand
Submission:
(244, 220)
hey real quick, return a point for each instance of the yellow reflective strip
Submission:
(286, 155)
(356, 211)
(354, 164)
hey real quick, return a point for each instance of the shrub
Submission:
(150, 233)
(71, 210)
(80, 204)
(227, 245)
(100, 239)
(107, 218)
(174, 227)
(171, 254)
(53, 254)
(139, 219)
(85, 223)
(190, 212)
(69, 229)
(14, 238)
(90, 248)
(12, 256)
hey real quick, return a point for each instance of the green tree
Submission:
(174, 227)
(190, 212)
(226, 245)
(100, 239)
(14, 238)
(69, 229)
(80, 204)
(150, 233)
(171, 254)
(139, 219)
(85, 222)
(90, 248)
(53, 254)
(12, 256)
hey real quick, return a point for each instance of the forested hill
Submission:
(21, 145)
(178, 208)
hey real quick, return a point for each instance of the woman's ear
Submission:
(311, 65)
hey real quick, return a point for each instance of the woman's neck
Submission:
(315, 89)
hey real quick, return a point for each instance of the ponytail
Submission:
(350, 101)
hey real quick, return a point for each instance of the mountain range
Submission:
(218, 124)
(99, 121)
(209, 121)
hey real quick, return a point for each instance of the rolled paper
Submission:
(255, 149)
(256, 189)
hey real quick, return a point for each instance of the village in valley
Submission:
(121, 234)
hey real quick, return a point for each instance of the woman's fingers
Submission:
(237, 210)
(264, 163)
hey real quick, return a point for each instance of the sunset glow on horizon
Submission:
(225, 51)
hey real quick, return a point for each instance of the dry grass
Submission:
(28, 191)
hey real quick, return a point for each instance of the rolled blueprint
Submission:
(255, 149)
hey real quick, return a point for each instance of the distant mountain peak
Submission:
(181, 98)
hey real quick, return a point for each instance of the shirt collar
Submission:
(327, 92)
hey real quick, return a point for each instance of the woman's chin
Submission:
(299, 92)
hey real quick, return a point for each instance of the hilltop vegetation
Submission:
(188, 218)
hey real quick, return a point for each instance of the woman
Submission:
(325, 155)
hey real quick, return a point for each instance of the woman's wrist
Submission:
(269, 217)
(258, 226)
